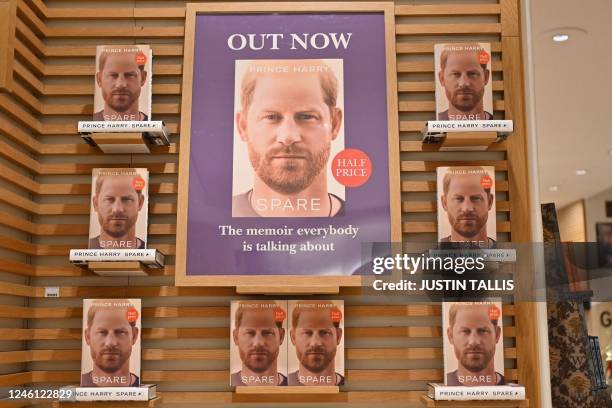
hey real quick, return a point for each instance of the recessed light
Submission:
(553, 188)
(581, 172)
(610, 152)
(560, 37)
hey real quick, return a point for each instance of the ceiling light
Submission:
(610, 152)
(553, 188)
(560, 37)
(581, 172)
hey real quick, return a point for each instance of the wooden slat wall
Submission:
(392, 350)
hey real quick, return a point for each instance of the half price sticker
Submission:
(131, 315)
(352, 167)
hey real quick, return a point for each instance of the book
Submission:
(466, 206)
(258, 345)
(119, 208)
(441, 392)
(111, 343)
(316, 349)
(463, 81)
(123, 83)
(154, 131)
(152, 258)
(473, 343)
(142, 393)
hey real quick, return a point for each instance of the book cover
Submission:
(123, 83)
(276, 181)
(466, 206)
(258, 347)
(463, 80)
(316, 349)
(473, 343)
(111, 343)
(119, 208)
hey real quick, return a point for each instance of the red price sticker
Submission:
(483, 57)
(138, 183)
(279, 314)
(486, 182)
(352, 167)
(131, 315)
(336, 315)
(494, 313)
(141, 59)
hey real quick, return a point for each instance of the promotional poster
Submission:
(316, 346)
(300, 116)
(473, 343)
(463, 80)
(258, 345)
(466, 206)
(111, 343)
(123, 83)
(119, 208)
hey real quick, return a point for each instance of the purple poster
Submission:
(288, 159)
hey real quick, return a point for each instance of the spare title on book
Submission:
(466, 206)
(123, 83)
(463, 81)
(473, 343)
(111, 343)
(119, 208)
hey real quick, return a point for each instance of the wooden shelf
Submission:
(468, 141)
(108, 404)
(127, 142)
(288, 390)
(113, 268)
(428, 402)
(287, 290)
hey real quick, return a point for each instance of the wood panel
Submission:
(54, 44)
(7, 43)
(572, 222)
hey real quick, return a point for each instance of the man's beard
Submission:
(317, 359)
(258, 360)
(466, 100)
(121, 229)
(477, 361)
(469, 229)
(113, 365)
(292, 175)
(120, 100)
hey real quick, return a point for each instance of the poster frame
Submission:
(277, 284)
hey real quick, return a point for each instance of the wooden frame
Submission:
(284, 283)
(7, 42)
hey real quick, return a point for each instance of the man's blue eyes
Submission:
(477, 198)
(127, 75)
(125, 200)
(469, 74)
(300, 117)
(263, 333)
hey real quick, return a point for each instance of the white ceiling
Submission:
(573, 91)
